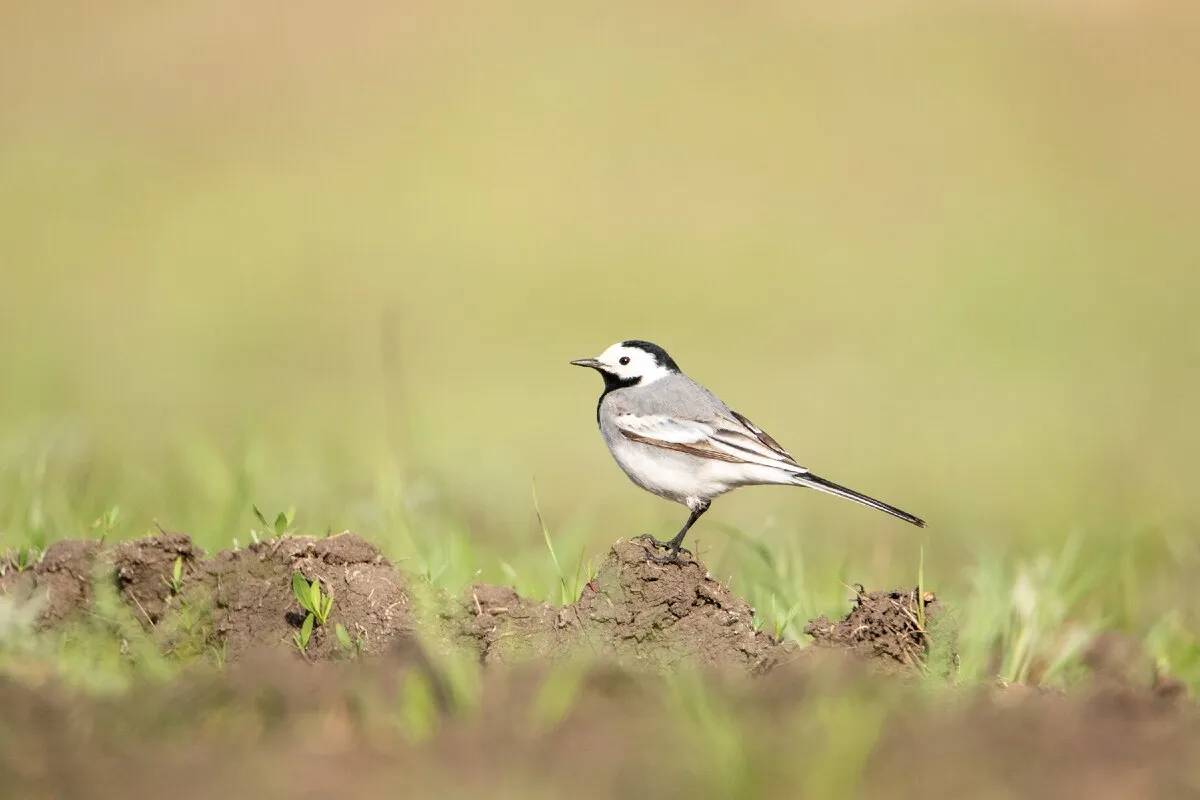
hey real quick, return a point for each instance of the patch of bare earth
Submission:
(666, 613)
(61, 581)
(273, 724)
(243, 597)
(890, 629)
(633, 612)
(144, 573)
(253, 604)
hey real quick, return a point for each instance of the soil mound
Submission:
(360, 727)
(633, 612)
(505, 628)
(61, 581)
(661, 614)
(252, 602)
(144, 571)
(890, 628)
(233, 602)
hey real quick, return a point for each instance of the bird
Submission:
(675, 439)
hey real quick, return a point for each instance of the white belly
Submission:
(675, 476)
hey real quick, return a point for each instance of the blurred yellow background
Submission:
(946, 257)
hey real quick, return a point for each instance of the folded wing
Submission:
(734, 439)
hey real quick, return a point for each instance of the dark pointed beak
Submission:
(587, 362)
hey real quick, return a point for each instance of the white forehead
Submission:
(637, 363)
(635, 354)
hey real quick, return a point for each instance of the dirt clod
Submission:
(252, 599)
(885, 627)
(61, 581)
(633, 612)
(504, 627)
(660, 614)
(144, 572)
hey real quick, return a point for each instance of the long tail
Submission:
(821, 484)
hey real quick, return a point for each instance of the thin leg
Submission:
(675, 546)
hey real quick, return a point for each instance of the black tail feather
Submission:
(821, 484)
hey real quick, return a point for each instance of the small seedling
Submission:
(784, 619)
(317, 604)
(311, 598)
(107, 522)
(282, 526)
(313, 601)
(175, 582)
(302, 636)
(26, 556)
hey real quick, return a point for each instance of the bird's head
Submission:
(631, 363)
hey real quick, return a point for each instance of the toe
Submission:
(670, 557)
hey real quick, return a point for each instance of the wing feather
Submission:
(733, 439)
(763, 436)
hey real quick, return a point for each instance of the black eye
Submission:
(623, 360)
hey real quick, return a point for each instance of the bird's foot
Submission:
(672, 554)
(657, 544)
(670, 557)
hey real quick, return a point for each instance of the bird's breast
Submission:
(667, 473)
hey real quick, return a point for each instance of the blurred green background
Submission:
(339, 257)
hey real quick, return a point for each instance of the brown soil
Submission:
(244, 597)
(271, 726)
(253, 602)
(634, 613)
(503, 627)
(1113, 742)
(886, 628)
(61, 581)
(663, 614)
(143, 570)
(274, 724)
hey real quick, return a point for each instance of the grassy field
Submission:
(338, 259)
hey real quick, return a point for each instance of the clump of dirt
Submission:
(633, 612)
(144, 573)
(503, 627)
(889, 628)
(661, 614)
(61, 581)
(245, 597)
(252, 599)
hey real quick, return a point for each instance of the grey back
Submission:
(676, 395)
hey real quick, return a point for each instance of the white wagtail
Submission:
(676, 439)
